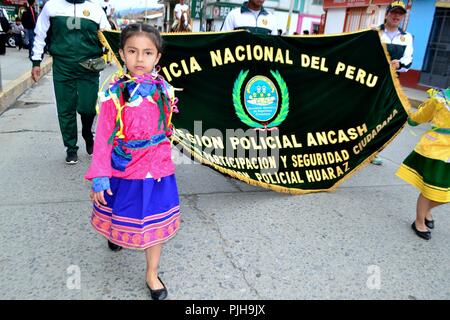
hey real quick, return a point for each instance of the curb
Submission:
(17, 87)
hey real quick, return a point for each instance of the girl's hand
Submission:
(98, 197)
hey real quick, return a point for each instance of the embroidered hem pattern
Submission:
(148, 234)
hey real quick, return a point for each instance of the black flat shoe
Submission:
(113, 246)
(158, 294)
(429, 223)
(423, 234)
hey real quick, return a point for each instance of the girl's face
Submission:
(140, 54)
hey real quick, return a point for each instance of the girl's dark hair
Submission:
(136, 28)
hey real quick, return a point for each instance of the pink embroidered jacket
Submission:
(141, 122)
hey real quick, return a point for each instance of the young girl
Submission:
(134, 191)
(428, 166)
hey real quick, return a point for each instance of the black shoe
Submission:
(90, 146)
(423, 234)
(159, 294)
(71, 157)
(113, 246)
(429, 223)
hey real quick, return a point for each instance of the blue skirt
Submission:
(140, 213)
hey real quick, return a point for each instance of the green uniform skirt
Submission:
(430, 176)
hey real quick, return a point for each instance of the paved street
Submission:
(12, 65)
(236, 241)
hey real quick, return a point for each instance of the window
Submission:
(357, 19)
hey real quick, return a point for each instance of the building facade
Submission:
(352, 15)
(430, 25)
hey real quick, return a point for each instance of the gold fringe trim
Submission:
(431, 192)
(405, 104)
(334, 34)
(404, 100)
(198, 33)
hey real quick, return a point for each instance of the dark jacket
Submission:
(27, 19)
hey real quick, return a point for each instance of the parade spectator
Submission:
(178, 11)
(135, 195)
(428, 166)
(77, 61)
(251, 16)
(399, 42)
(29, 18)
(18, 32)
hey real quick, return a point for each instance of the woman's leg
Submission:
(433, 204)
(423, 207)
(423, 210)
(153, 254)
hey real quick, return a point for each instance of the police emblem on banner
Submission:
(263, 107)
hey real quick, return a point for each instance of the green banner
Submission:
(293, 114)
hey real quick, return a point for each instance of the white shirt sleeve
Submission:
(229, 23)
(41, 29)
(407, 58)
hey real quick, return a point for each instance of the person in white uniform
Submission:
(251, 16)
